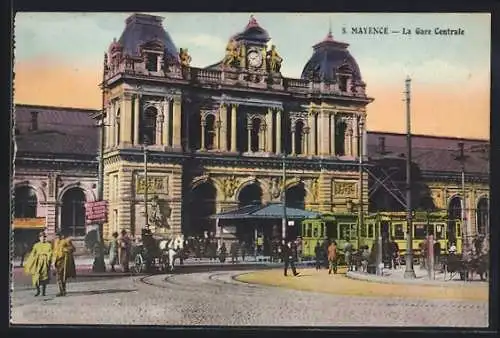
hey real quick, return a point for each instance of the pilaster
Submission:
(278, 132)
(137, 115)
(324, 137)
(125, 196)
(333, 131)
(176, 130)
(325, 192)
(269, 130)
(166, 122)
(313, 125)
(223, 130)
(355, 129)
(126, 120)
(176, 202)
(234, 127)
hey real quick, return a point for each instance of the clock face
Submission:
(254, 59)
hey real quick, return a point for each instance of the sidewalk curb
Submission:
(393, 281)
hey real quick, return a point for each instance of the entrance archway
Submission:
(454, 213)
(201, 206)
(295, 196)
(73, 212)
(25, 202)
(251, 194)
(299, 137)
(482, 216)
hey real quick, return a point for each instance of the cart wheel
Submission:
(138, 264)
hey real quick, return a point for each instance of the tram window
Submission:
(331, 230)
(354, 230)
(459, 229)
(322, 230)
(345, 231)
(440, 231)
(362, 230)
(309, 230)
(430, 229)
(399, 232)
(315, 232)
(419, 231)
(370, 230)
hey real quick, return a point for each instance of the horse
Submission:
(173, 248)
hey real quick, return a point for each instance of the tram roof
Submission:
(265, 211)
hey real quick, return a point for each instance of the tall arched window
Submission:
(299, 137)
(148, 128)
(482, 216)
(73, 212)
(254, 134)
(25, 202)
(340, 130)
(117, 127)
(209, 131)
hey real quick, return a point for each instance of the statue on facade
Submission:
(233, 52)
(184, 57)
(274, 60)
(315, 189)
(156, 217)
(230, 185)
(275, 187)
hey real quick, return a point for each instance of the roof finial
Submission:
(252, 22)
(330, 27)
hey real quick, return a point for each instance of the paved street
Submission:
(215, 298)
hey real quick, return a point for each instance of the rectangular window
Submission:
(114, 187)
(152, 62)
(419, 231)
(343, 83)
(440, 231)
(363, 230)
(345, 231)
(370, 230)
(309, 230)
(399, 231)
(331, 230)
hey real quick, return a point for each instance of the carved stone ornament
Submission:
(156, 185)
(276, 187)
(157, 217)
(229, 185)
(315, 189)
(345, 188)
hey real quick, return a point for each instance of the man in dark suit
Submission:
(289, 257)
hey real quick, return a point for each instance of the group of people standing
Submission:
(45, 255)
(120, 249)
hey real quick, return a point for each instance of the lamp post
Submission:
(465, 231)
(283, 197)
(409, 272)
(360, 170)
(145, 158)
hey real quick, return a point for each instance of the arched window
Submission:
(482, 216)
(25, 202)
(299, 137)
(254, 134)
(251, 194)
(340, 131)
(455, 208)
(73, 212)
(148, 135)
(202, 204)
(117, 127)
(209, 131)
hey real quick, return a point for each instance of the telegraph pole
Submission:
(360, 158)
(465, 231)
(99, 264)
(409, 272)
(283, 193)
(145, 155)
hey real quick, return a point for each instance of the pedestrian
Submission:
(64, 262)
(437, 253)
(222, 253)
(332, 258)
(234, 252)
(289, 256)
(113, 251)
(124, 250)
(299, 248)
(394, 247)
(365, 257)
(38, 264)
(348, 255)
(318, 254)
(243, 249)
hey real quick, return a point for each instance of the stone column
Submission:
(223, 129)
(303, 142)
(306, 140)
(112, 123)
(203, 127)
(176, 130)
(324, 137)
(233, 127)
(107, 126)
(355, 129)
(333, 127)
(293, 137)
(262, 137)
(278, 131)
(365, 138)
(249, 133)
(159, 127)
(137, 115)
(126, 120)
(269, 131)
(166, 120)
(348, 139)
(312, 125)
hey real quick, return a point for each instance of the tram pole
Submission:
(360, 169)
(463, 218)
(283, 192)
(409, 272)
(145, 155)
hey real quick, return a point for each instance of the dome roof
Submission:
(328, 56)
(253, 32)
(144, 28)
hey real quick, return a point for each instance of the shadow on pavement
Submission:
(98, 292)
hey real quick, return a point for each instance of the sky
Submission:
(59, 56)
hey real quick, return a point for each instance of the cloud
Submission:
(213, 43)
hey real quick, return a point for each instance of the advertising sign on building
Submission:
(29, 223)
(96, 212)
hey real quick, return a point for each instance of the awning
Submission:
(268, 211)
(29, 223)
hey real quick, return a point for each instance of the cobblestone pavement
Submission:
(217, 299)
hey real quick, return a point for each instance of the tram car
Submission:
(343, 228)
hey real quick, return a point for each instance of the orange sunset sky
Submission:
(450, 75)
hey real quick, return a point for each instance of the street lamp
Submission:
(465, 231)
(409, 272)
(145, 157)
(283, 197)
(360, 170)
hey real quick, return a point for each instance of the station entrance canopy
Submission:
(272, 211)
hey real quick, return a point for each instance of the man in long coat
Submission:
(64, 261)
(124, 250)
(38, 264)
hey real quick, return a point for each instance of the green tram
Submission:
(343, 227)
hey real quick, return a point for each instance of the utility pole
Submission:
(409, 272)
(99, 265)
(360, 158)
(283, 193)
(465, 231)
(145, 154)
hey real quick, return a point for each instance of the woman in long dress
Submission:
(113, 251)
(38, 264)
